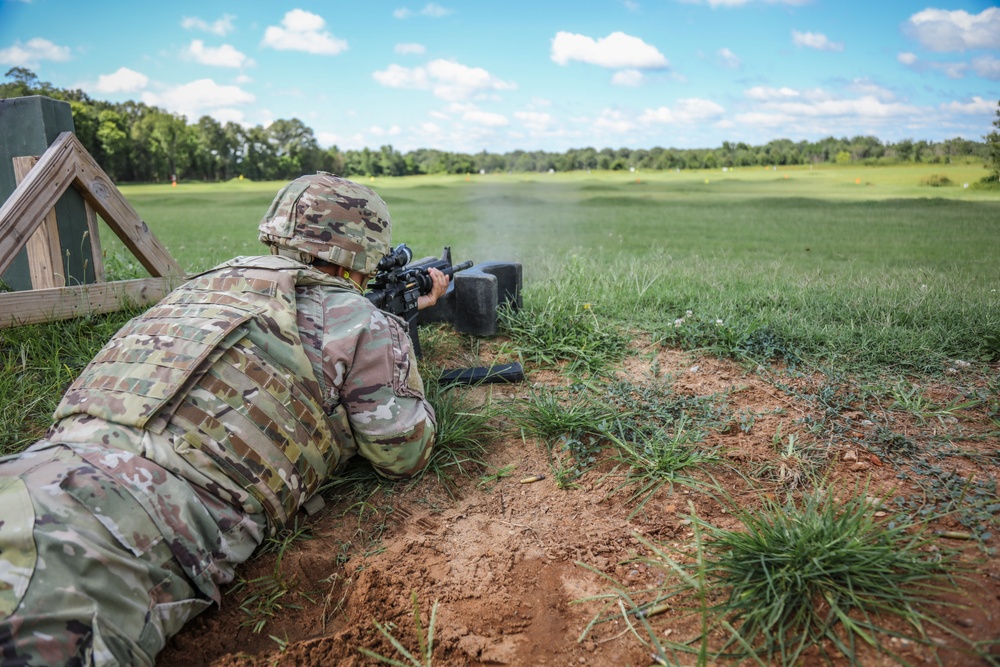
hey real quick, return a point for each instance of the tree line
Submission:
(135, 142)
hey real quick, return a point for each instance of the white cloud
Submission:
(383, 132)
(976, 106)
(227, 115)
(485, 118)
(942, 30)
(303, 31)
(865, 87)
(124, 80)
(628, 77)
(613, 121)
(411, 49)
(199, 97)
(220, 56)
(815, 40)
(397, 76)
(343, 141)
(33, 52)
(987, 67)
(447, 79)
(728, 59)
(221, 27)
(535, 121)
(685, 112)
(243, 78)
(812, 112)
(764, 93)
(430, 9)
(953, 70)
(616, 51)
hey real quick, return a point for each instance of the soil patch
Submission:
(515, 566)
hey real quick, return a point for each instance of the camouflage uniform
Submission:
(202, 425)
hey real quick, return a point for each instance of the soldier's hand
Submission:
(439, 285)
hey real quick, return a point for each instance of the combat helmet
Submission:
(326, 217)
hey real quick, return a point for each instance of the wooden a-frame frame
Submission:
(66, 163)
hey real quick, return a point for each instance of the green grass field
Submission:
(859, 269)
(858, 264)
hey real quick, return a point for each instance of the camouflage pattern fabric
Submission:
(202, 425)
(329, 218)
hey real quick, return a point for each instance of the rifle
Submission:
(399, 282)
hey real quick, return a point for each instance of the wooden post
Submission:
(28, 126)
(44, 257)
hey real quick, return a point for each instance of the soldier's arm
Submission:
(393, 423)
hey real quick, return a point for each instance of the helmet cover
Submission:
(326, 217)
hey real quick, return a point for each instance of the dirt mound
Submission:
(515, 565)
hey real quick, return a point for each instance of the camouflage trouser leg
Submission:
(86, 577)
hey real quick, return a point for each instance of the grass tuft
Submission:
(806, 581)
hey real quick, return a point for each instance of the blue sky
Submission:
(548, 74)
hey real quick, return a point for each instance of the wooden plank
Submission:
(101, 193)
(27, 206)
(44, 260)
(61, 303)
(95, 243)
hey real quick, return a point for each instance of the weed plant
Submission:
(744, 340)
(465, 429)
(562, 331)
(425, 640)
(571, 424)
(820, 577)
(658, 435)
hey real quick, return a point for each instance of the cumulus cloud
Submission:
(199, 97)
(344, 141)
(220, 56)
(815, 40)
(987, 67)
(941, 30)
(951, 69)
(485, 118)
(813, 110)
(430, 9)
(613, 121)
(628, 77)
(377, 131)
(221, 27)
(685, 112)
(32, 52)
(975, 106)
(766, 94)
(535, 121)
(867, 87)
(124, 80)
(303, 31)
(227, 115)
(447, 79)
(410, 49)
(616, 51)
(728, 59)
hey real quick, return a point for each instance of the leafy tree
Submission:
(993, 149)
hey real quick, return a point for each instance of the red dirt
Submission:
(506, 562)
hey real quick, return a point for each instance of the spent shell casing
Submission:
(532, 478)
